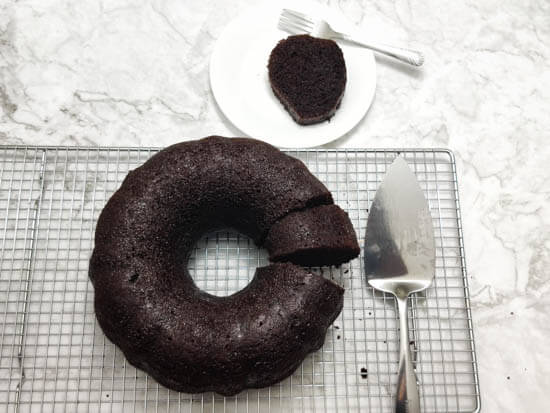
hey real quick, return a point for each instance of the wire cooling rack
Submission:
(54, 356)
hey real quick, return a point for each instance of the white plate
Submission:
(239, 79)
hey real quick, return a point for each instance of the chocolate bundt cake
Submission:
(308, 76)
(318, 236)
(145, 299)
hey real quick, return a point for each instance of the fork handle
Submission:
(409, 56)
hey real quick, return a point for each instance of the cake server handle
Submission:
(412, 57)
(407, 399)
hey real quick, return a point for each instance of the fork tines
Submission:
(295, 22)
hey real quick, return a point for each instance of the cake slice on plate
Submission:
(308, 76)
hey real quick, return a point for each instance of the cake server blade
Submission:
(400, 259)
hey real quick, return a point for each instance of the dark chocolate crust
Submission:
(192, 342)
(308, 76)
(318, 236)
(148, 305)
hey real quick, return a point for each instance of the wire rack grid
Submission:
(54, 356)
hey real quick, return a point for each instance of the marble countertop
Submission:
(135, 72)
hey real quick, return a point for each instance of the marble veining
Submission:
(135, 72)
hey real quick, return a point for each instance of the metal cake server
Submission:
(400, 259)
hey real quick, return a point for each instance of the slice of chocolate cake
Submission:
(308, 76)
(316, 236)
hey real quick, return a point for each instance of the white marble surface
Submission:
(134, 72)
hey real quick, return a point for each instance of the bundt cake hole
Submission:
(224, 262)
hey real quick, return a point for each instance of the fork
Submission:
(296, 22)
